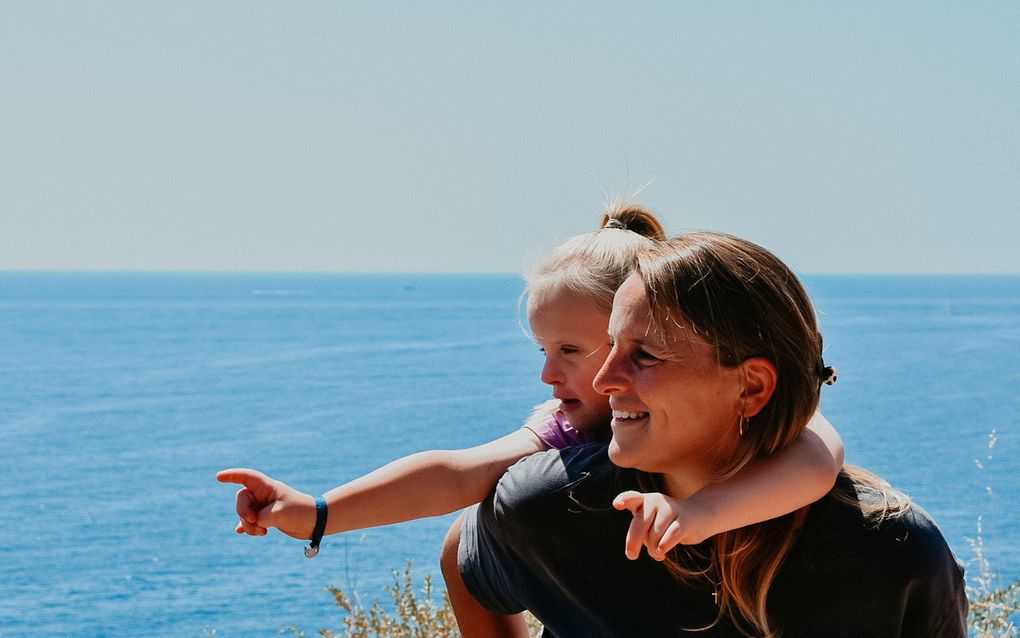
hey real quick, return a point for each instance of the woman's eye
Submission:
(568, 349)
(645, 358)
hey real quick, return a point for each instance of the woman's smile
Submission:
(628, 418)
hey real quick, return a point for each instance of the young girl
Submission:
(569, 299)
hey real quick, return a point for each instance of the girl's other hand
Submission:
(660, 523)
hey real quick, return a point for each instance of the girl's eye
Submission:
(568, 349)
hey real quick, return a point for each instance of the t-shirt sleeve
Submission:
(489, 556)
(485, 565)
(954, 623)
(937, 603)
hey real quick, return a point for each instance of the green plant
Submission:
(412, 617)
(994, 611)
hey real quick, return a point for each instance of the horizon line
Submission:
(157, 271)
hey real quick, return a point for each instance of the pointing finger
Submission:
(629, 500)
(636, 533)
(243, 476)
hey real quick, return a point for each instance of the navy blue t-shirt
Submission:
(548, 540)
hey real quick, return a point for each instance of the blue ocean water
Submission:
(122, 394)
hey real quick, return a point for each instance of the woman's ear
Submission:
(760, 379)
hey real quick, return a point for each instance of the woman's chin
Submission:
(618, 455)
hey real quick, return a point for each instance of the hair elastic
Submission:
(321, 513)
(826, 374)
(613, 222)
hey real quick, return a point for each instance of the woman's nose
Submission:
(611, 377)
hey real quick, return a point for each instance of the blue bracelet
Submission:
(321, 512)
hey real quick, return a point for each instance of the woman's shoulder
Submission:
(871, 521)
(868, 538)
(895, 515)
(919, 546)
(549, 478)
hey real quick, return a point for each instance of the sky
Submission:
(457, 136)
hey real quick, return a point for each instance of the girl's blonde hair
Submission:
(748, 303)
(594, 265)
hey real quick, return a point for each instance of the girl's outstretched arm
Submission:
(424, 484)
(764, 489)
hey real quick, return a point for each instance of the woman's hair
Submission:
(746, 303)
(594, 265)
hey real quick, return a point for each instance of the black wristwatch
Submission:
(321, 513)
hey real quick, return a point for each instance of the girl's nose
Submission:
(551, 373)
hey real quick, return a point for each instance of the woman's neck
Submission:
(684, 484)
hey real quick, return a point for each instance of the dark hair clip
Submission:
(826, 374)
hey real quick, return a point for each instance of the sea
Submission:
(122, 394)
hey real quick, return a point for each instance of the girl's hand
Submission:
(660, 523)
(263, 503)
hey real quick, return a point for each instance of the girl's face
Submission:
(572, 333)
(675, 408)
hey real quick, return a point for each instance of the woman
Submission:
(716, 361)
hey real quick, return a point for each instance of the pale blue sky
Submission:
(847, 137)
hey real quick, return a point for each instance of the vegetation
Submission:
(413, 617)
(994, 611)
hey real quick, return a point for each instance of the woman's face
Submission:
(675, 409)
